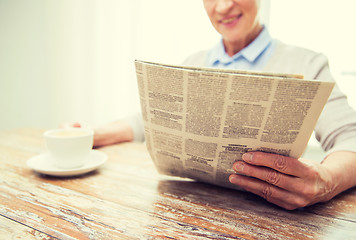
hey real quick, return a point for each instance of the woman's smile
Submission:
(230, 20)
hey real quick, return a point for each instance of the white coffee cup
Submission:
(69, 147)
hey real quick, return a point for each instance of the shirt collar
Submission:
(250, 52)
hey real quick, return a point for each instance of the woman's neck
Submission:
(233, 47)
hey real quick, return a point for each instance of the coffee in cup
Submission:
(69, 147)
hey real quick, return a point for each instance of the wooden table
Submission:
(127, 199)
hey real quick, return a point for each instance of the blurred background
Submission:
(72, 60)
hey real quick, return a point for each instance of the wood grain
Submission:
(10, 229)
(127, 199)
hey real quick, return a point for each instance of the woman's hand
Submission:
(71, 125)
(107, 134)
(287, 182)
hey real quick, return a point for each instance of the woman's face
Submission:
(235, 20)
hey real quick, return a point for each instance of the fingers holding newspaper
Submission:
(287, 182)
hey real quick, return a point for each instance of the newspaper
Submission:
(199, 121)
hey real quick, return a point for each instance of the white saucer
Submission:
(42, 164)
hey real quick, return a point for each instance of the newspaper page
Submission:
(199, 121)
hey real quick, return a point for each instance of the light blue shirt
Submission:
(253, 57)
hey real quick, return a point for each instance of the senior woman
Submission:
(287, 182)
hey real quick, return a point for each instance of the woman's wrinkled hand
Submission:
(287, 182)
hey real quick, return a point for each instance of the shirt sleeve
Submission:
(136, 123)
(336, 126)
